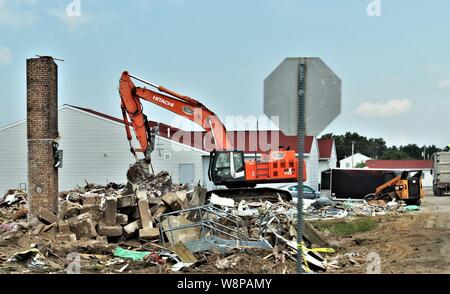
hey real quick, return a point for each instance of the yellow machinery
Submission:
(407, 187)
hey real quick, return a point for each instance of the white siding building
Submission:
(352, 161)
(95, 150)
(327, 155)
(312, 165)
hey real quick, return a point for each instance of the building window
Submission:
(167, 156)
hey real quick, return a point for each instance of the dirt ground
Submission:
(416, 242)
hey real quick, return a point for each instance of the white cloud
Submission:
(24, 13)
(384, 109)
(17, 13)
(444, 84)
(71, 21)
(5, 56)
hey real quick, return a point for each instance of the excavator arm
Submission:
(184, 106)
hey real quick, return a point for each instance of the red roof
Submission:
(249, 141)
(400, 164)
(325, 147)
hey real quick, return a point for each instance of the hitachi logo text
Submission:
(160, 100)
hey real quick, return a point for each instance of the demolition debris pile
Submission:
(152, 222)
(116, 212)
(325, 208)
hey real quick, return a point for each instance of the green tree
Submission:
(376, 147)
(413, 151)
(360, 165)
(373, 147)
(430, 150)
(394, 153)
(327, 136)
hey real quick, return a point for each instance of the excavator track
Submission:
(253, 194)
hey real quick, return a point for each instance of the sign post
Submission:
(305, 96)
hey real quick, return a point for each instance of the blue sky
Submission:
(395, 68)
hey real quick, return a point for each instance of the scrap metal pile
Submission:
(324, 208)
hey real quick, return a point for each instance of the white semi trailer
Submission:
(441, 173)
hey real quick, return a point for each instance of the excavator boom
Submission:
(184, 106)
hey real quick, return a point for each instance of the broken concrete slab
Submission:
(161, 210)
(64, 228)
(103, 239)
(184, 235)
(198, 196)
(141, 195)
(154, 201)
(69, 209)
(126, 201)
(176, 200)
(121, 219)
(155, 207)
(145, 216)
(38, 229)
(66, 237)
(183, 253)
(130, 229)
(83, 226)
(171, 200)
(311, 234)
(149, 233)
(91, 199)
(110, 211)
(47, 216)
(104, 229)
(144, 212)
(96, 212)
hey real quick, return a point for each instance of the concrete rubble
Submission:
(170, 228)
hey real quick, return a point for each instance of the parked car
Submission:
(308, 192)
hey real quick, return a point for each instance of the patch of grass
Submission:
(347, 227)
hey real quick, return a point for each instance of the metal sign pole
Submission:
(301, 156)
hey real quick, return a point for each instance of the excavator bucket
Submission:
(139, 171)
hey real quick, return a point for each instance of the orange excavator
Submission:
(227, 166)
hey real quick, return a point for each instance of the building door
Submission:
(186, 173)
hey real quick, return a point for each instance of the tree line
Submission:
(376, 148)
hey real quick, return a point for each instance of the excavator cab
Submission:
(227, 168)
(230, 169)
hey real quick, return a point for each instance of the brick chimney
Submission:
(42, 131)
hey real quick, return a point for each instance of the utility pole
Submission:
(353, 153)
